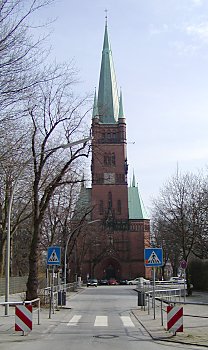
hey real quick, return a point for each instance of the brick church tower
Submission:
(121, 230)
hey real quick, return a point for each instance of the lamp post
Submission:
(67, 243)
(8, 243)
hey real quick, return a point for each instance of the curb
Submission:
(165, 337)
(169, 337)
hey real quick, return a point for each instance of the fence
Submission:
(16, 285)
(174, 296)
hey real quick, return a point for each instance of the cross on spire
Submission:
(106, 16)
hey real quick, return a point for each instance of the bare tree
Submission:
(163, 235)
(13, 149)
(179, 217)
(19, 53)
(20, 56)
(201, 203)
(56, 225)
(57, 117)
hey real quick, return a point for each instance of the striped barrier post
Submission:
(175, 319)
(23, 318)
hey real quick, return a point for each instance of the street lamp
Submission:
(67, 242)
(8, 244)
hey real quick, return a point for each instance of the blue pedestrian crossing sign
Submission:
(153, 257)
(54, 256)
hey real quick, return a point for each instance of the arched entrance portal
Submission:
(110, 272)
(109, 268)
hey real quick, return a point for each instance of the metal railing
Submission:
(167, 297)
(26, 302)
(166, 294)
(50, 294)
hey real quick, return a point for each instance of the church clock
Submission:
(109, 178)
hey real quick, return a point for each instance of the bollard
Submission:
(141, 299)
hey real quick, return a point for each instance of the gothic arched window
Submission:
(101, 208)
(109, 200)
(109, 159)
(119, 206)
(113, 159)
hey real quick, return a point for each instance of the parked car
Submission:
(103, 282)
(123, 281)
(138, 280)
(92, 282)
(134, 281)
(112, 282)
(177, 280)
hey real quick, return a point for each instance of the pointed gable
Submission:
(137, 209)
(83, 203)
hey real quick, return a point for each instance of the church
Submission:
(119, 227)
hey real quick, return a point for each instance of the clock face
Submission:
(109, 178)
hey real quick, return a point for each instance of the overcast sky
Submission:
(160, 52)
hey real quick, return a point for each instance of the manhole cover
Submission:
(106, 336)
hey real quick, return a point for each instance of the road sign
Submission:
(54, 256)
(153, 257)
(183, 264)
(23, 318)
(175, 318)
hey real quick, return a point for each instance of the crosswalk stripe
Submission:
(127, 322)
(74, 320)
(101, 321)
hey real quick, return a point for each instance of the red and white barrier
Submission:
(175, 319)
(23, 318)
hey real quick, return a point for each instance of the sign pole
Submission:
(50, 306)
(52, 288)
(183, 265)
(153, 257)
(153, 295)
(184, 285)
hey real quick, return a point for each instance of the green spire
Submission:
(121, 113)
(95, 109)
(136, 206)
(108, 101)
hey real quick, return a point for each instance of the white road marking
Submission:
(101, 321)
(74, 320)
(127, 322)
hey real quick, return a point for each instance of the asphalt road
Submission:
(99, 318)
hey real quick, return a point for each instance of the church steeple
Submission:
(108, 100)
(123, 223)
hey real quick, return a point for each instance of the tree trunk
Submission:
(189, 289)
(32, 282)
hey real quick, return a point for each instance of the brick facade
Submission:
(115, 243)
(114, 246)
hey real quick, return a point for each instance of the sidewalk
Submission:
(195, 323)
(7, 323)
